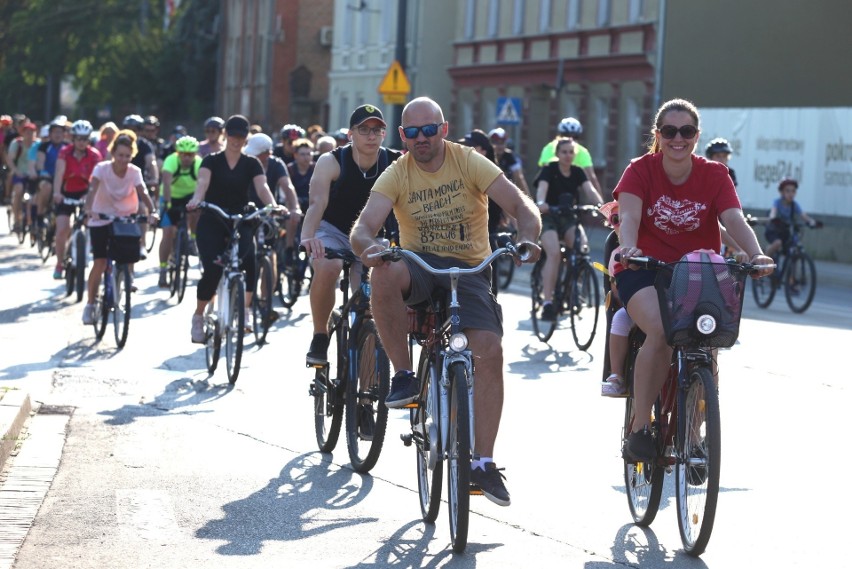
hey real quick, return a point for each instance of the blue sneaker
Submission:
(405, 389)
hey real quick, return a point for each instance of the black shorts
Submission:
(559, 223)
(99, 241)
(479, 309)
(629, 282)
(65, 209)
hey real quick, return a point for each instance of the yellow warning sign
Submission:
(395, 81)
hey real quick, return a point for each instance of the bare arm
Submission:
(593, 178)
(58, 175)
(151, 170)
(326, 171)
(167, 187)
(367, 226)
(142, 192)
(541, 196)
(630, 213)
(201, 185)
(593, 196)
(291, 200)
(263, 191)
(509, 197)
(90, 197)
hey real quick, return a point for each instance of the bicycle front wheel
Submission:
(763, 290)
(327, 389)
(585, 305)
(262, 300)
(213, 335)
(102, 308)
(235, 328)
(543, 329)
(699, 450)
(366, 414)
(458, 457)
(121, 309)
(80, 264)
(290, 278)
(800, 287)
(504, 267)
(425, 434)
(150, 236)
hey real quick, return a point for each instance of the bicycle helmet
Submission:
(215, 122)
(717, 146)
(787, 182)
(292, 132)
(60, 121)
(186, 144)
(81, 128)
(151, 120)
(569, 126)
(133, 121)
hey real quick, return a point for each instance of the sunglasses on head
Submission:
(428, 130)
(669, 131)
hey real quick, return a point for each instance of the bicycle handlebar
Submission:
(242, 217)
(393, 254)
(645, 262)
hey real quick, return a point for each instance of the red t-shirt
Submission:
(78, 173)
(678, 219)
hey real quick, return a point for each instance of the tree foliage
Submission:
(116, 53)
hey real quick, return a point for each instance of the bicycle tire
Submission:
(262, 300)
(697, 481)
(372, 369)
(327, 390)
(235, 328)
(213, 337)
(70, 277)
(80, 264)
(643, 482)
(291, 279)
(121, 310)
(541, 328)
(458, 458)
(181, 274)
(150, 236)
(21, 233)
(585, 305)
(174, 265)
(504, 267)
(102, 309)
(42, 242)
(425, 430)
(763, 290)
(800, 282)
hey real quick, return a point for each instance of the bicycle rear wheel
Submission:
(213, 334)
(458, 458)
(121, 309)
(235, 328)
(102, 308)
(543, 329)
(327, 390)
(585, 305)
(699, 450)
(80, 264)
(764, 290)
(365, 398)
(800, 285)
(262, 301)
(425, 430)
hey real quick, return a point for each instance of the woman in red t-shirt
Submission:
(670, 202)
(74, 167)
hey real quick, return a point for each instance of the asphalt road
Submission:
(163, 466)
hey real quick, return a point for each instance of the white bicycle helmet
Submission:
(81, 128)
(570, 126)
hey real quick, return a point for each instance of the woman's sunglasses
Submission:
(428, 130)
(668, 131)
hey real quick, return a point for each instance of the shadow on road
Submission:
(179, 395)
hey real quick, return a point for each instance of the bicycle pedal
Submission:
(475, 490)
(412, 405)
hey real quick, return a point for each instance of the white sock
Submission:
(480, 464)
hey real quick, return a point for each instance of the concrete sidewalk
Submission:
(15, 408)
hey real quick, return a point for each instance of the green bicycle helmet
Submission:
(186, 144)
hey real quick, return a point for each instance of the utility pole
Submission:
(401, 54)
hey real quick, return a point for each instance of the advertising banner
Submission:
(812, 145)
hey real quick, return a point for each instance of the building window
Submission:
(636, 8)
(469, 19)
(604, 10)
(387, 29)
(601, 122)
(574, 14)
(494, 18)
(544, 16)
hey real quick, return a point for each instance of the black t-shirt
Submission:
(229, 188)
(302, 182)
(143, 149)
(349, 193)
(557, 184)
(275, 170)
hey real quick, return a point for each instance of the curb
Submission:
(15, 408)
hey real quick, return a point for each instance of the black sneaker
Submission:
(548, 312)
(490, 481)
(404, 390)
(697, 475)
(640, 446)
(318, 354)
(366, 422)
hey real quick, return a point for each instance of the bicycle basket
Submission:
(124, 242)
(421, 322)
(701, 303)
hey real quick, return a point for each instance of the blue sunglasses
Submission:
(428, 130)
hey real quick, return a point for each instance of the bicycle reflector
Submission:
(458, 342)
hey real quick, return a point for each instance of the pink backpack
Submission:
(704, 300)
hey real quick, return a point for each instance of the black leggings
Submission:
(212, 240)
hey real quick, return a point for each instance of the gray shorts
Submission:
(479, 309)
(334, 238)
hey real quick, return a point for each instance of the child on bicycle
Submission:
(614, 385)
(784, 211)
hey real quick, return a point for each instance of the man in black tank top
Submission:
(339, 189)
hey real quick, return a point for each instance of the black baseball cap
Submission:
(237, 125)
(365, 113)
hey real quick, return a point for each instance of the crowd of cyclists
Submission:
(439, 197)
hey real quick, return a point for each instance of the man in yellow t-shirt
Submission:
(439, 193)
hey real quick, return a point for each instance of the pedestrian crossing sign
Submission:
(508, 110)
